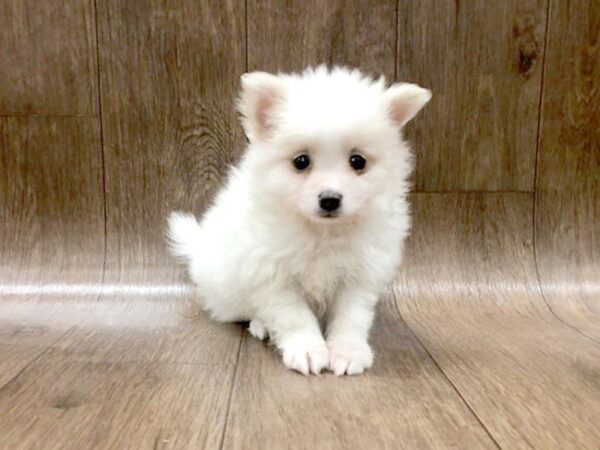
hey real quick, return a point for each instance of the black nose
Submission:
(330, 201)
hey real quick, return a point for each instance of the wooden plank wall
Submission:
(168, 75)
(168, 81)
(567, 215)
(51, 194)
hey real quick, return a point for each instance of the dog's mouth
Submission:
(328, 215)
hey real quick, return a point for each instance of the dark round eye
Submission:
(357, 162)
(301, 162)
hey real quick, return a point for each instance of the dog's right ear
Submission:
(261, 93)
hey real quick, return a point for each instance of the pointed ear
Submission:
(404, 101)
(261, 93)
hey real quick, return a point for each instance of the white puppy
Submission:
(308, 231)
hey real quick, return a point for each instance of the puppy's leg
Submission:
(349, 322)
(295, 330)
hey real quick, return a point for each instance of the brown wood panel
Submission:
(64, 404)
(51, 200)
(52, 230)
(469, 291)
(290, 35)
(169, 78)
(48, 57)
(568, 182)
(404, 401)
(483, 61)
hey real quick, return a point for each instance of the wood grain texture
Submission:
(568, 184)
(128, 367)
(156, 327)
(482, 60)
(20, 344)
(48, 58)
(51, 201)
(291, 35)
(169, 77)
(51, 230)
(403, 402)
(60, 403)
(469, 291)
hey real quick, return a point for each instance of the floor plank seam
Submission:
(536, 171)
(246, 30)
(232, 390)
(536, 188)
(543, 294)
(243, 333)
(396, 41)
(102, 155)
(446, 377)
(33, 361)
(538, 138)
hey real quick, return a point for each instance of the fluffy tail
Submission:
(184, 235)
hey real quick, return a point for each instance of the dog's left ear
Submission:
(404, 101)
(261, 93)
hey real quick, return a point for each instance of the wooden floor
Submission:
(113, 113)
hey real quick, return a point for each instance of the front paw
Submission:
(305, 353)
(258, 330)
(349, 357)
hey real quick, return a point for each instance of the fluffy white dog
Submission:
(308, 231)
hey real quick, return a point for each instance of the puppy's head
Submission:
(326, 143)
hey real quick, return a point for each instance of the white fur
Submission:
(263, 253)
